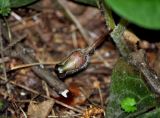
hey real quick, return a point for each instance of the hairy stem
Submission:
(96, 43)
(117, 33)
(117, 36)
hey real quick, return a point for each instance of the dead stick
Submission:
(43, 73)
(21, 53)
(37, 93)
(139, 60)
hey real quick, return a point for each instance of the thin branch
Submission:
(20, 52)
(75, 21)
(14, 42)
(43, 73)
(2, 56)
(8, 30)
(32, 64)
(139, 60)
(37, 93)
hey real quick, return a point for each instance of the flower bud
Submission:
(75, 62)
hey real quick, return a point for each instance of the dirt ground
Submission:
(51, 34)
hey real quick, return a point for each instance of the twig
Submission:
(75, 21)
(32, 64)
(26, 65)
(65, 116)
(13, 43)
(45, 86)
(2, 56)
(21, 53)
(37, 93)
(25, 115)
(74, 40)
(8, 29)
(139, 60)
(43, 73)
(17, 17)
(101, 97)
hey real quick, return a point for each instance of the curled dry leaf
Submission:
(79, 92)
(131, 39)
(92, 111)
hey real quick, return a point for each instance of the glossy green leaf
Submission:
(126, 82)
(87, 2)
(20, 3)
(145, 13)
(4, 3)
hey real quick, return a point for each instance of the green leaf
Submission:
(87, 2)
(128, 104)
(127, 82)
(20, 3)
(5, 7)
(145, 13)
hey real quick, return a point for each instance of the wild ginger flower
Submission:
(78, 59)
(75, 62)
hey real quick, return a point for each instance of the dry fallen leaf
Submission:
(131, 39)
(92, 111)
(40, 110)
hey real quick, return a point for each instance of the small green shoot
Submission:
(5, 7)
(128, 104)
(5, 11)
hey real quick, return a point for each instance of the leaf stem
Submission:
(118, 30)
(117, 37)
(107, 14)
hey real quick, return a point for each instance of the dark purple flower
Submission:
(75, 62)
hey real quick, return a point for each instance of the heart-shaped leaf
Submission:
(128, 83)
(145, 13)
(6, 5)
(20, 3)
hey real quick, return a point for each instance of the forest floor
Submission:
(51, 35)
